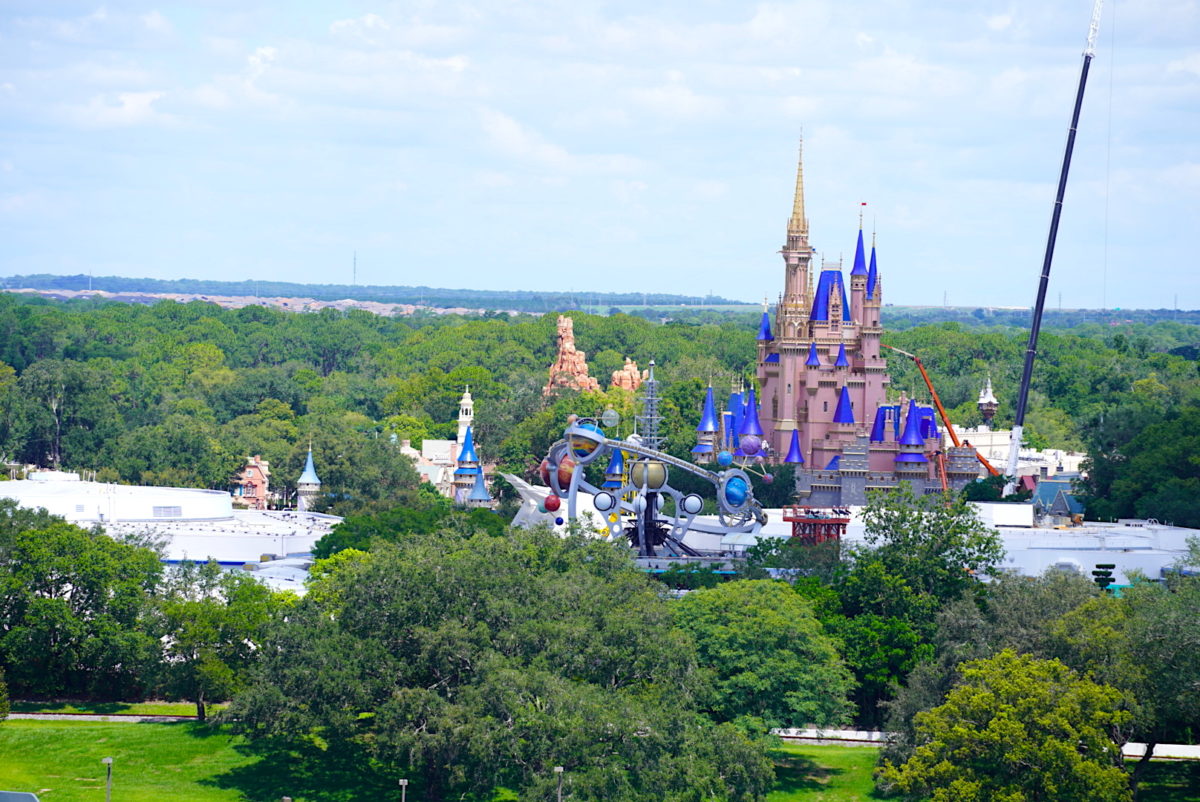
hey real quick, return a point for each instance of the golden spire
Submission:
(798, 224)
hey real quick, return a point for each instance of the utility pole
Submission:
(1014, 447)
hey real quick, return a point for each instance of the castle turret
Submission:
(791, 316)
(479, 496)
(468, 467)
(988, 404)
(858, 280)
(466, 413)
(707, 431)
(308, 486)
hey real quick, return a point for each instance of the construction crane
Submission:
(1014, 447)
(937, 402)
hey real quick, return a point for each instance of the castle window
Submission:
(789, 389)
(826, 406)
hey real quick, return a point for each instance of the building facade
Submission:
(822, 401)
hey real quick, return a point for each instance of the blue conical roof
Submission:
(750, 424)
(879, 428)
(829, 284)
(794, 457)
(616, 463)
(764, 328)
(468, 450)
(736, 408)
(842, 361)
(912, 427)
(835, 464)
(614, 473)
(813, 360)
(845, 411)
(309, 476)
(872, 274)
(479, 491)
(860, 263)
(708, 417)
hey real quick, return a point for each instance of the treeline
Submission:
(180, 394)
(473, 659)
(537, 302)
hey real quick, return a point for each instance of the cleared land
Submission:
(188, 761)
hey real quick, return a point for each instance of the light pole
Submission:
(559, 771)
(403, 790)
(107, 761)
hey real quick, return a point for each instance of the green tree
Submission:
(467, 662)
(1017, 729)
(935, 542)
(74, 613)
(771, 658)
(213, 623)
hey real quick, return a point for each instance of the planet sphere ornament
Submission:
(736, 491)
(588, 436)
(768, 478)
(724, 459)
(750, 443)
(565, 469)
(552, 503)
(544, 471)
(558, 521)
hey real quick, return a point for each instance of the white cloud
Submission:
(673, 99)
(1189, 63)
(511, 138)
(999, 22)
(628, 190)
(375, 31)
(8, 88)
(155, 22)
(123, 109)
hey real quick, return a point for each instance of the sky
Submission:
(603, 146)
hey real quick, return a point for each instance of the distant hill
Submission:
(520, 300)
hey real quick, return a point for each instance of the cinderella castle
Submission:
(824, 405)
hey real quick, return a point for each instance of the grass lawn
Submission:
(60, 760)
(826, 773)
(114, 708)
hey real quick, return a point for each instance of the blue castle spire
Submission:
(813, 361)
(873, 272)
(845, 411)
(912, 427)
(835, 464)
(794, 457)
(860, 264)
(842, 361)
(708, 418)
(479, 493)
(764, 328)
(750, 424)
(912, 436)
(467, 455)
(309, 476)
